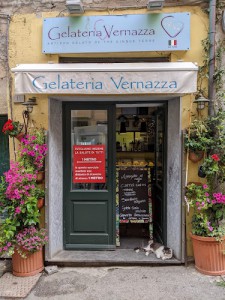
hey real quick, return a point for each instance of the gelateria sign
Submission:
(124, 33)
(130, 78)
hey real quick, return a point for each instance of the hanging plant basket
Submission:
(209, 255)
(195, 156)
(30, 266)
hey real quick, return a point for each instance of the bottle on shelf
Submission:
(124, 147)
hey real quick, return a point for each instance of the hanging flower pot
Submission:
(40, 176)
(40, 202)
(209, 255)
(19, 136)
(195, 156)
(29, 266)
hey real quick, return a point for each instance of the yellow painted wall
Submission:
(25, 46)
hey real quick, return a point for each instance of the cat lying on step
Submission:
(157, 248)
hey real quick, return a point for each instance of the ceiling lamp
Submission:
(75, 6)
(154, 5)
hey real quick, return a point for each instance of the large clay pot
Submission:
(30, 266)
(209, 255)
(195, 156)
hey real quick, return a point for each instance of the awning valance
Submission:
(99, 78)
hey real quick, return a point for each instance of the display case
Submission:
(134, 148)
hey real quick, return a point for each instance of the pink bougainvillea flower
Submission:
(205, 186)
(17, 210)
(215, 157)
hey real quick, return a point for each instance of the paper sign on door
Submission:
(89, 164)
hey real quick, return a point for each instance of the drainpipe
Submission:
(212, 33)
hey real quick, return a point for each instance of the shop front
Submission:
(114, 175)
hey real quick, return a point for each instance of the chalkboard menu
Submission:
(133, 195)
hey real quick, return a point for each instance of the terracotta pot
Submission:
(40, 203)
(208, 253)
(20, 136)
(30, 266)
(40, 176)
(195, 156)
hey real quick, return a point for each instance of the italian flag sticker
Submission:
(172, 42)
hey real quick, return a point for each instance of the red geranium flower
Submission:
(11, 128)
(215, 157)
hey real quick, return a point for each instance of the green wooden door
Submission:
(4, 147)
(89, 176)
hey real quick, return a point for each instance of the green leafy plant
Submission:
(197, 137)
(38, 192)
(208, 201)
(214, 163)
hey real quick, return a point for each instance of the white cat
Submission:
(157, 248)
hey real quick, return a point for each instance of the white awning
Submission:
(112, 78)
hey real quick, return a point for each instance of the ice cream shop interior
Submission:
(113, 90)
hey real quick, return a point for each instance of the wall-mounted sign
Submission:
(89, 164)
(125, 33)
(139, 78)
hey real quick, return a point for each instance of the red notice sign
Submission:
(89, 164)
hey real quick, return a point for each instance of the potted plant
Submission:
(20, 234)
(208, 202)
(27, 259)
(18, 202)
(197, 140)
(13, 129)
